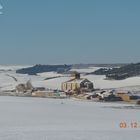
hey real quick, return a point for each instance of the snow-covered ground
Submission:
(48, 119)
(100, 82)
(7, 82)
(13, 67)
(23, 118)
(86, 70)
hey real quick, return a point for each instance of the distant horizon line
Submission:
(69, 64)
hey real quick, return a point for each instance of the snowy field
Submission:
(7, 82)
(64, 119)
(68, 119)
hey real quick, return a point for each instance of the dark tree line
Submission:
(121, 73)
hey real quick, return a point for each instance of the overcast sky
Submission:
(69, 31)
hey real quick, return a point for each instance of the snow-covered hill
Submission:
(64, 119)
(7, 81)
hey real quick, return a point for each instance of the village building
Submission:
(127, 96)
(49, 94)
(77, 83)
(24, 89)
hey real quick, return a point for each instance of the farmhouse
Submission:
(77, 83)
(127, 96)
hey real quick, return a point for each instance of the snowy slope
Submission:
(87, 70)
(49, 119)
(100, 82)
(13, 67)
(8, 83)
